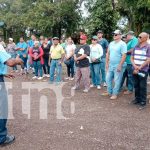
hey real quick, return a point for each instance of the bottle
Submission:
(141, 74)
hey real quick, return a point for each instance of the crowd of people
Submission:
(100, 63)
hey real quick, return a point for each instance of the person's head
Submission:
(81, 32)
(142, 38)
(21, 39)
(94, 39)
(10, 40)
(124, 38)
(55, 40)
(46, 40)
(69, 40)
(117, 35)
(36, 44)
(130, 35)
(83, 39)
(33, 37)
(100, 34)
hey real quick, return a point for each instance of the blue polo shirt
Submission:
(116, 50)
(30, 43)
(24, 46)
(4, 56)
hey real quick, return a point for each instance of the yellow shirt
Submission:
(56, 51)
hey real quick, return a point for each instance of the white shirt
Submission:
(69, 49)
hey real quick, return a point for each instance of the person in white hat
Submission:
(115, 64)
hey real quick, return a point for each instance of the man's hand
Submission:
(136, 67)
(93, 59)
(135, 72)
(75, 58)
(119, 68)
(10, 76)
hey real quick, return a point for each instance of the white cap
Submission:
(117, 32)
(11, 39)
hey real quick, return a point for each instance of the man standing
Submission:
(115, 64)
(132, 41)
(81, 58)
(56, 56)
(104, 43)
(140, 60)
(5, 60)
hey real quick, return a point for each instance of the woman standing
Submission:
(46, 48)
(11, 49)
(36, 54)
(69, 60)
(95, 57)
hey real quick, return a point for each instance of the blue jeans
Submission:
(24, 59)
(55, 64)
(38, 68)
(14, 56)
(129, 75)
(113, 74)
(95, 73)
(102, 70)
(3, 110)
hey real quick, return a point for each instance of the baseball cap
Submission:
(117, 32)
(55, 38)
(83, 37)
(99, 31)
(36, 42)
(130, 33)
(10, 39)
(95, 37)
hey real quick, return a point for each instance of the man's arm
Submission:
(121, 62)
(107, 59)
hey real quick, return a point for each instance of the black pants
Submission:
(46, 67)
(140, 85)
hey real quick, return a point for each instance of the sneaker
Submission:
(71, 79)
(105, 94)
(44, 75)
(9, 140)
(105, 85)
(47, 75)
(98, 87)
(91, 86)
(135, 102)
(74, 88)
(113, 97)
(40, 78)
(35, 77)
(127, 92)
(67, 78)
(85, 90)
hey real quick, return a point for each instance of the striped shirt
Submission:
(140, 55)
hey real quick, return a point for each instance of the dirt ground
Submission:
(96, 123)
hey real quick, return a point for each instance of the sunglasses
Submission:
(139, 37)
(55, 39)
(81, 39)
(94, 39)
(115, 34)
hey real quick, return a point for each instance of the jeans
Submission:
(102, 70)
(24, 59)
(3, 110)
(140, 85)
(13, 56)
(129, 75)
(70, 69)
(55, 64)
(95, 73)
(113, 74)
(46, 66)
(38, 68)
(83, 73)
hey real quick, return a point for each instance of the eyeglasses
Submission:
(115, 34)
(55, 39)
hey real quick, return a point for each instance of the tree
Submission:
(102, 16)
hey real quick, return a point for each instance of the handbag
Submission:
(68, 61)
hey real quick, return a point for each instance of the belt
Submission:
(56, 59)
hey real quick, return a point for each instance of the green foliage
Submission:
(45, 16)
(102, 16)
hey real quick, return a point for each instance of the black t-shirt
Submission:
(83, 49)
(46, 50)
